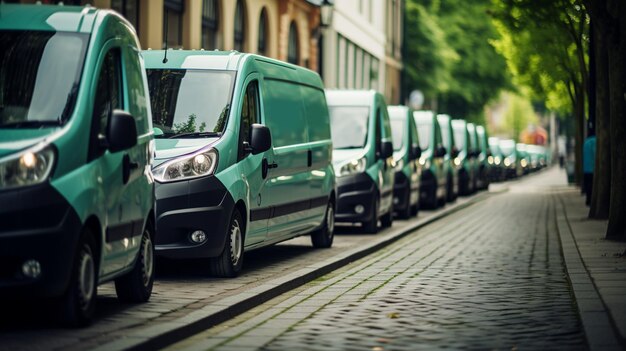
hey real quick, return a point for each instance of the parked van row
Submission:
(511, 160)
(110, 156)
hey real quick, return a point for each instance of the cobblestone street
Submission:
(490, 277)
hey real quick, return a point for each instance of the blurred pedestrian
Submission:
(589, 160)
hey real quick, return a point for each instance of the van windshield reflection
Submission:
(349, 126)
(190, 103)
(39, 77)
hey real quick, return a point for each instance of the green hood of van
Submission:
(344, 155)
(167, 149)
(14, 140)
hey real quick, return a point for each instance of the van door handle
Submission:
(309, 161)
(272, 165)
(127, 167)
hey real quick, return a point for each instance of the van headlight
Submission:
(507, 161)
(497, 160)
(352, 167)
(399, 164)
(30, 167)
(196, 165)
(490, 160)
(424, 162)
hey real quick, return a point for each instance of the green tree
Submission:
(480, 73)
(429, 59)
(545, 44)
(519, 115)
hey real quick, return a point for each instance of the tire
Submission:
(78, 304)
(228, 264)
(415, 209)
(136, 286)
(387, 220)
(323, 237)
(406, 212)
(449, 189)
(371, 226)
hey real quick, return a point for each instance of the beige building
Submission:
(280, 29)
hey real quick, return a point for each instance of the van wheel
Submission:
(415, 209)
(79, 301)
(387, 220)
(228, 264)
(136, 286)
(371, 225)
(323, 237)
(407, 211)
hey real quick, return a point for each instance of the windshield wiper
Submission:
(195, 135)
(31, 124)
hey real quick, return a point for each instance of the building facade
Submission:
(279, 29)
(362, 47)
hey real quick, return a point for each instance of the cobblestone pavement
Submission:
(491, 276)
(181, 289)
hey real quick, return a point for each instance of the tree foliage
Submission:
(449, 56)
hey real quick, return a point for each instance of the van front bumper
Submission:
(186, 206)
(36, 223)
(352, 191)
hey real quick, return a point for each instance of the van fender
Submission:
(236, 183)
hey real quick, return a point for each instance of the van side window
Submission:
(108, 96)
(249, 115)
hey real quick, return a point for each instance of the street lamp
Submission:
(326, 13)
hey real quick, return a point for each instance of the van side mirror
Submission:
(386, 149)
(416, 152)
(260, 139)
(122, 131)
(455, 152)
(441, 151)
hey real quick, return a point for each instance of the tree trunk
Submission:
(579, 132)
(617, 85)
(601, 194)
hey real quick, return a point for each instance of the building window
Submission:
(293, 49)
(239, 26)
(129, 9)
(263, 30)
(173, 30)
(210, 24)
(374, 74)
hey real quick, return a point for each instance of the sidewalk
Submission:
(597, 271)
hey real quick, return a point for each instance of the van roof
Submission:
(57, 18)
(350, 97)
(222, 60)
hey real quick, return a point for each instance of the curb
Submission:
(164, 334)
(600, 331)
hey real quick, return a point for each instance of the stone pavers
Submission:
(186, 301)
(490, 277)
(597, 269)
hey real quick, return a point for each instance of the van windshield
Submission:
(39, 77)
(459, 137)
(507, 147)
(190, 103)
(397, 131)
(349, 126)
(424, 130)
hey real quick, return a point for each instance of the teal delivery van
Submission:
(362, 157)
(464, 160)
(243, 155)
(76, 145)
(434, 183)
(406, 154)
(452, 177)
